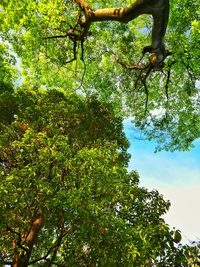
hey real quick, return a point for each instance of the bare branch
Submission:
(147, 95)
(75, 53)
(56, 36)
(19, 242)
(168, 80)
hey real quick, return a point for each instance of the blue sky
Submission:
(175, 175)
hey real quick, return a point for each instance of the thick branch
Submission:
(159, 9)
(83, 6)
(35, 228)
(122, 14)
(22, 259)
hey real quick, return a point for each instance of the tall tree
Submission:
(66, 196)
(65, 40)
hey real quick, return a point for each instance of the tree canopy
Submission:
(67, 81)
(66, 195)
(165, 106)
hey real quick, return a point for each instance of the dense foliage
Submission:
(172, 115)
(66, 197)
(63, 160)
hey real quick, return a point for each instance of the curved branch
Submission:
(21, 260)
(83, 6)
(159, 9)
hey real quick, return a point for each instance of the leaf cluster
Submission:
(65, 156)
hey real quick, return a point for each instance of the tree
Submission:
(165, 106)
(66, 196)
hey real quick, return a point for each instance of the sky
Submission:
(175, 175)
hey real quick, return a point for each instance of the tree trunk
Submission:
(21, 260)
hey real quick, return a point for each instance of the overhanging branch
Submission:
(158, 9)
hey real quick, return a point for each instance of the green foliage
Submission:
(63, 151)
(173, 105)
(66, 156)
(8, 73)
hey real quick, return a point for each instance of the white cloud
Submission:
(179, 183)
(184, 213)
(176, 176)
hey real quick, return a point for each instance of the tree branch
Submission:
(21, 260)
(83, 6)
(55, 246)
(168, 80)
(159, 9)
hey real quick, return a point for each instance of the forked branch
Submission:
(159, 9)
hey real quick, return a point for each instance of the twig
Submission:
(130, 67)
(147, 95)
(19, 243)
(168, 80)
(56, 36)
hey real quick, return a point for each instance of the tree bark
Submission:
(22, 259)
(159, 9)
(125, 14)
